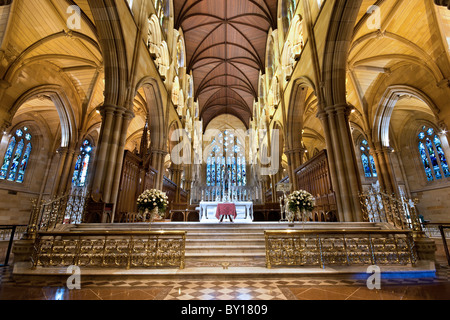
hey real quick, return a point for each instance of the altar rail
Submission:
(107, 249)
(335, 247)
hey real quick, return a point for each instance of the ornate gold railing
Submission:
(336, 247)
(383, 207)
(118, 249)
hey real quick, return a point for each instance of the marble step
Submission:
(224, 236)
(236, 227)
(219, 256)
(224, 242)
(228, 249)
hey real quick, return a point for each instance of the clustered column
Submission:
(109, 158)
(157, 160)
(386, 175)
(342, 161)
(66, 162)
(295, 160)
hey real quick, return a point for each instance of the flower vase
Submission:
(152, 215)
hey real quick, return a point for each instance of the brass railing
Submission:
(68, 209)
(339, 247)
(7, 231)
(383, 207)
(107, 249)
(432, 230)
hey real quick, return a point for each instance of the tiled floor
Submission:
(251, 289)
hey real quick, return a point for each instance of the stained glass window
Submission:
(368, 161)
(432, 155)
(82, 165)
(17, 156)
(226, 158)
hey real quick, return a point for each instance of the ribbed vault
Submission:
(225, 50)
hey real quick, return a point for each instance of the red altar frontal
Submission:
(226, 210)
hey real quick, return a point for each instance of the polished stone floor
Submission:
(242, 289)
(300, 288)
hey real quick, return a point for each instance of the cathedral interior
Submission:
(214, 102)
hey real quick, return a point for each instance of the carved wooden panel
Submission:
(314, 177)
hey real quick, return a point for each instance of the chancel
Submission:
(224, 139)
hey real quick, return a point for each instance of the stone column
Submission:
(158, 157)
(62, 160)
(342, 160)
(386, 176)
(110, 151)
(295, 160)
(127, 117)
(4, 125)
(68, 185)
(107, 113)
(176, 178)
(66, 171)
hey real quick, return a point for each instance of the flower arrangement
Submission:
(300, 200)
(151, 200)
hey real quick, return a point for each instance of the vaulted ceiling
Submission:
(225, 50)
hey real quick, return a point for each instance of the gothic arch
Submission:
(295, 112)
(69, 128)
(155, 110)
(112, 44)
(383, 114)
(339, 37)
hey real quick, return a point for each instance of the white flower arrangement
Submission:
(301, 200)
(151, 199)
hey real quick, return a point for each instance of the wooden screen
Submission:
(314, 177)
(134, 180)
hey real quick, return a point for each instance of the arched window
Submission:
(82, 165)
(432, 155)
(368, 161)
(17, 156)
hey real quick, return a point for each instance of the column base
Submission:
(425, 248)
(23, 250)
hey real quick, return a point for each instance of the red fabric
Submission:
(226, 209)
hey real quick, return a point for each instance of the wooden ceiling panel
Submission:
(225, 44)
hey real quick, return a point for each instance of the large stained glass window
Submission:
(432, 155)
(226, 164)
(368, 161)
(17, 156)
(82, 165)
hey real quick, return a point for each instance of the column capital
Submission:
(159, 151)
(295, 150)
(62, 150)
(4, 127)
(4, 84)
(112, 109)
(339, 108)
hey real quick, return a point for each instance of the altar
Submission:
(208, 210)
